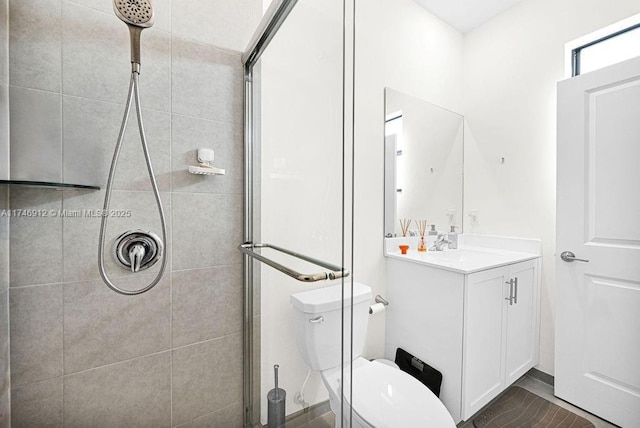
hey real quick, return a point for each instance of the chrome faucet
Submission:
(439, 243)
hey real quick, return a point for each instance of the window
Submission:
(601, 53)
(605, 47)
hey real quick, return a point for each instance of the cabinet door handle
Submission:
(510, 298)
(515, 294)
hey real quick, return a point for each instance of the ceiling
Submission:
(465, 15)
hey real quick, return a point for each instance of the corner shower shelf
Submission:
(48, 184)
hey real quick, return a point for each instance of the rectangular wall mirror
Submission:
(423, 164)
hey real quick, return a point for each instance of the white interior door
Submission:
(598, 219)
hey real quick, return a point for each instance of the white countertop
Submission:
(467, 258)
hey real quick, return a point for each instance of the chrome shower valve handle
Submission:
(136, 254)
(137, 250)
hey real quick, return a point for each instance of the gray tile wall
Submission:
(4, 90)
(5, 385)
(81, 354)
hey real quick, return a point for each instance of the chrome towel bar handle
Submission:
(334, 272)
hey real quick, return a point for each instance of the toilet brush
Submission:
(276, 399)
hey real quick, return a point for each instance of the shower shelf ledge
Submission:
(51, 185)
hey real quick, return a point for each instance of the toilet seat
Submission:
(384, 396)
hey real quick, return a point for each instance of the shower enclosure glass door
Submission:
(298, 197)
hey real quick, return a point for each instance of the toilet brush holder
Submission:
(276, 399)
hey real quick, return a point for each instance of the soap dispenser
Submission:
(433, 230)
(452, 237)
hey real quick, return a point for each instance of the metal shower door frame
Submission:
(271, 22)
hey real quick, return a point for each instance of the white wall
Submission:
(402, 46)
(511, 66)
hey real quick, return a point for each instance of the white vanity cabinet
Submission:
(472, 323)
(500, 332)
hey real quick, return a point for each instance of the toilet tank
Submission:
(318, 319)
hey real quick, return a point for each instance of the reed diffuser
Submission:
(422, 227)
(404, 225)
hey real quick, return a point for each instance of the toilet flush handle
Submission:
(317, 320)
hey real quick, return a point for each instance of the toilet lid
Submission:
(384, 396)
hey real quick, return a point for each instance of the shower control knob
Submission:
(136, 254)
(137, 250)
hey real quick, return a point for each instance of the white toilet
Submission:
(383, 396)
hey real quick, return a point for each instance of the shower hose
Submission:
(134, 93)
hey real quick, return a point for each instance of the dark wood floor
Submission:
(538, 387)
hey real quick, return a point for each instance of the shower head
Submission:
(138, 15)
(134, 12)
